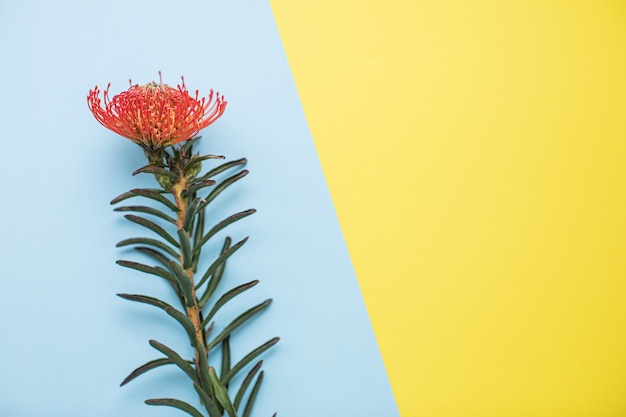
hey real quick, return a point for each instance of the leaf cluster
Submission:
(174, 216)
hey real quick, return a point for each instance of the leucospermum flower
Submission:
(156, 115)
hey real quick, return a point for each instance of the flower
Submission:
(156, 115)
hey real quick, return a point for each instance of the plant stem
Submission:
(193, 313)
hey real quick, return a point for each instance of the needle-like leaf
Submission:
(216, 277)
(155, 169)
(221, 393)
(147, 210)
(185, 322)
(241, 319)
(176, 359)
(148, 241)
(185, 248)
(221, 225)
(152, 226)
(221, 259)
(152, 193)
(145, 368)
(172, 402)
(245, 383)
(218, 170)
(154, 270)
(227, 297)
(247, 359)
(208, 402)
(255, 390)
(184, 282)
(222, 186)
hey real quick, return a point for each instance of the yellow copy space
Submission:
(476, 155)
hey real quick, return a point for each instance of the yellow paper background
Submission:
(475, 152)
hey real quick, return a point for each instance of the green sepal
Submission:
(245, 383)
(222, 186)
(221, 393)
(227, 221)
(154, 227)
(176, 359)
(208, 402)
(145, 368)
(241, 319)
(158, 170)
(152, 193)
(221, 259)
(154, 270)
(255, 390)
(172, 402)
(148, 241)
(219, 169)
(247, 359)
(188, 145)
(184, 282)
(185, 322)
(227, 297)
(216, 277)
(185, 248)
(190, 214)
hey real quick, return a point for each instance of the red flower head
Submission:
(156, 115)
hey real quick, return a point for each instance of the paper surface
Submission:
(66, 340)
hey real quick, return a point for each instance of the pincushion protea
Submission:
(164, 120)
(156, 115)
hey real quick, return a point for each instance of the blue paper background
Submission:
(66, 341)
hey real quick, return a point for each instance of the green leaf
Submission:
(197, 186)
(245, 383)
(208, 402)
(209, 156)
(185, 248)
(154, 227)
(241, 319)
(154, 254)
(176, 359)
(145, 300)
(252, 397)
(216, 277)
(225, 359)
(227, 297)
(172, 402)
(221, 225)
(154, 270)
(185, 322)
(221, 393)
(157, 170)
(247, 359)
(145, 368)
(147, 210)
(148, 241)
(220, 260)
(184, 282)
(223, 185)
(190, 214)
(152, 193)
(196, 238)
(218, 170)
